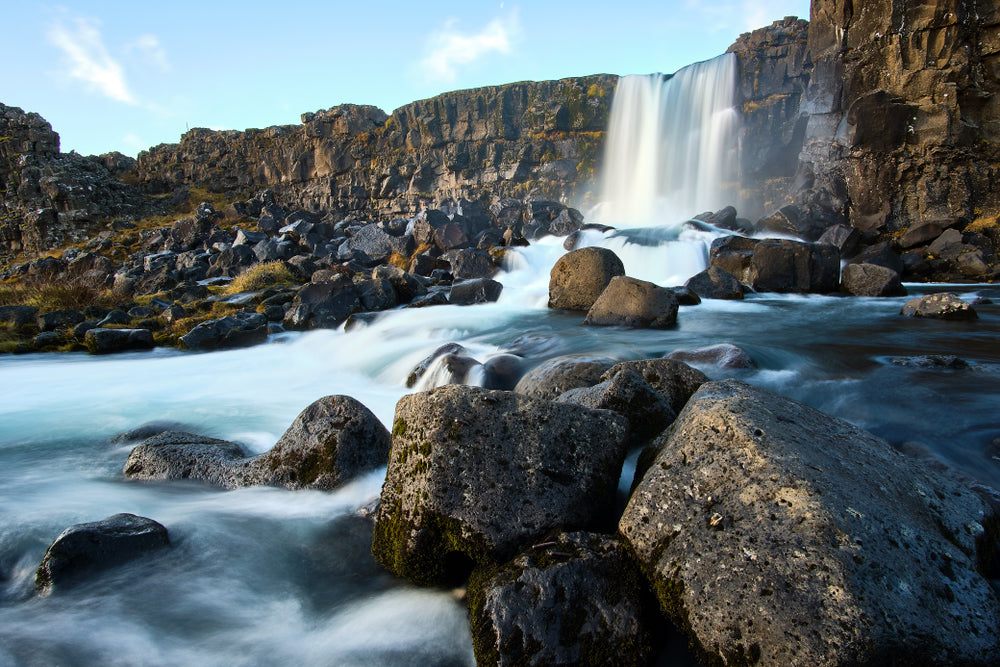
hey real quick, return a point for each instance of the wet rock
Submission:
(773, 533)
(106, 341)
(502, 371)
(880, 254)
(81, 329)
(626, 393)
(147, 430)
(634, 303)
(237, 330)
(476, 290)
(580, 276)
(942, 306)
(843, 237)
(434, 298)
(560, 374)
(421, 368)
(685, 296)
(931, 361)
(722, 355)
(330, 442)
(476, 475)
(472, 263)
(789, 266)
(88, 548)
(114, 317)
(59, 319)
(674, 380)
(871, 280)
(575, 600)
(714, 283)
(323, 305)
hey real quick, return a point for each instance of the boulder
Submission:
(105, 341)
(789, 266)
(580, 276)
(407, 286)
(453, 350)
(774, 534)
(333, 440)
(942, 306)
(473, 291)
(575, 600)
(471, 263)
(871, 280)
(376, 294)
(476, 475)
(240, 329)
(113, 318)
(722, 355)
(715, 283)
(323, 305)
(626, 393)
(59, 319)
(634, 303)
(560, 374)
(882, 254)
(87, 548)
(845, 238)
(502, 371)
(675, 380)
(18, 316)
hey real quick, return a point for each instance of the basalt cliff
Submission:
(878, 120)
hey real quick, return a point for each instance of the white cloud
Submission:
(149, 48)
(89, 61)
(450, 48)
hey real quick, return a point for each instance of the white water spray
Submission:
(673, 146)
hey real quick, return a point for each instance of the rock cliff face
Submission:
(540, 138)
(48, 198)
(883, 115)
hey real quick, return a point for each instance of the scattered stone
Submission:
(88, 548)
(376, 294)
(115, 317)
(59, 319)
(18, 316)
(241, 329)
(774, 534)
(722, 355)
(106, 341)
(942, 306)
(476, 475)
(473, 291)
(472, 263)
(580, 276)
(634, 303)
(560, 374)
(434, 298)
(574, 600)
(407, 286)
(871, 280)
(323, 305)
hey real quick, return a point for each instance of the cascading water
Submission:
(673, 146)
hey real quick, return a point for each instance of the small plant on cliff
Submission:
(259, 276)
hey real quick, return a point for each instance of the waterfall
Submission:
(672, 149)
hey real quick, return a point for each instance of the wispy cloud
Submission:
(89, 61)
(450, 47)
(148, 47)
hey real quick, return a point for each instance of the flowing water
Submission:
(269, 576)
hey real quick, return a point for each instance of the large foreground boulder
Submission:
(579, 277)
(476, 475)
(773, 533)
(575, 600)
(333, 440)
(630, 302)
(87, 548)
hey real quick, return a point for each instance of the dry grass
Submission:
(259, 276)
(54, 295)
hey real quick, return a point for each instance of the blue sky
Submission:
(129, 75)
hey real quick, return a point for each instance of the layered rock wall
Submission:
(540, 138)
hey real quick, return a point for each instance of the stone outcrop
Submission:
(476, 475)
(816, 542)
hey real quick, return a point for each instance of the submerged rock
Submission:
(87, 548)
(773, 533)
(723, 355)
(576, 600)
(330, 442)
(942, 306)
(578, 278)
(476, 475)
